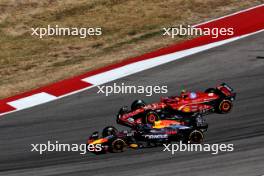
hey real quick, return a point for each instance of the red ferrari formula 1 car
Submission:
(184, 107)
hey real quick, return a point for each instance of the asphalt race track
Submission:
(72, 119)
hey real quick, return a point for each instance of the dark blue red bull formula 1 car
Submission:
(184, 107)
(145, 135)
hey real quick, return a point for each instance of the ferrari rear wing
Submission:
(227, 90)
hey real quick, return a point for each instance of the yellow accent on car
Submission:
(164, 123)
(158, 124)
(100, 141)
(186, 109)
(133, 145)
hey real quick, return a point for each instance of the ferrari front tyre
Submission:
(151, 117)
(225, 106)
(196, 137)
(118, 145)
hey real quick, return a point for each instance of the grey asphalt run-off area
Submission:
(73, 118)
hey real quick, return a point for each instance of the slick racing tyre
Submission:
(225, 106)
(137, 104)
(118, 145)
(196, 137)
(151, 117)
(109, 130)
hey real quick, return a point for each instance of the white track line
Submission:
(32, 100)
(139, 66)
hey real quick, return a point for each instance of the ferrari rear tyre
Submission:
(225, 106)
